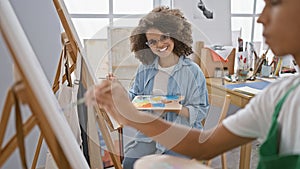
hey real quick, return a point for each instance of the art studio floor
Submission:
(233, 158)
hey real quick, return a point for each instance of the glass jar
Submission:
(243, 66)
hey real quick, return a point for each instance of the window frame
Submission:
(253, 16)
(111, 15)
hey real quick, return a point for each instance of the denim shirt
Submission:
(187, 80)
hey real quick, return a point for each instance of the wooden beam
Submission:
(65, 24)
(5, 115)
(109, 144)
(37, 152)
(12, 143)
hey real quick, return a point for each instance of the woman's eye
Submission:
(152, 42)
(164, 36)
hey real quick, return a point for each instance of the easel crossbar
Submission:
(12, 143)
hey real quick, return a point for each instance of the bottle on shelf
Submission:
(240, 44)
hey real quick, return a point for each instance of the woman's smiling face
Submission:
(160, 43)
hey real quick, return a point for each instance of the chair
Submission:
(217, 112)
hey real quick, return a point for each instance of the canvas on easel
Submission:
(32, 88)
(96, 116)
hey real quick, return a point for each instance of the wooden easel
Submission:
(24, 96)
(94, 149)
(95, 114)
(55, 86)
(26, 91)
(75, 49)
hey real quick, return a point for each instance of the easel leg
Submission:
(50, 138)
(37, 151)
(93, 140)
(19, 130)
(5, 115)
(108, 141)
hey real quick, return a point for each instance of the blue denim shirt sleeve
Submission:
(135, 88)
(192, 85)
(143, 82)
(197, 101)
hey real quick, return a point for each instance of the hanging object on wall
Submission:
(207, 13)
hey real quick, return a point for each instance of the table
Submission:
(215, 86)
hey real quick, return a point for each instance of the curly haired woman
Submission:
(161, 41)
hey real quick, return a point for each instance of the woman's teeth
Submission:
(163, 49)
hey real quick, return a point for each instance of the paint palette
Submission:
(158, 161)
(158, 102)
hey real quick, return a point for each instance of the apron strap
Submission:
(269, 150)
(282, 100)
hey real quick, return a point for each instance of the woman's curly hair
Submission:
(166, 20)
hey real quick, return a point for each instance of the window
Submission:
(92, 17)
(244, 15)
(242, 7)
(91, 28)
(95, 20)
(87, 6)
(132, 6)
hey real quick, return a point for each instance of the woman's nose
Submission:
(159, 43)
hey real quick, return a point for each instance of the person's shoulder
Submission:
(284, 83)
(192, 65)
(146, 67)
(278, 88)
(189, 62)
(186, 59)
(153, 64)
(141, 68)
